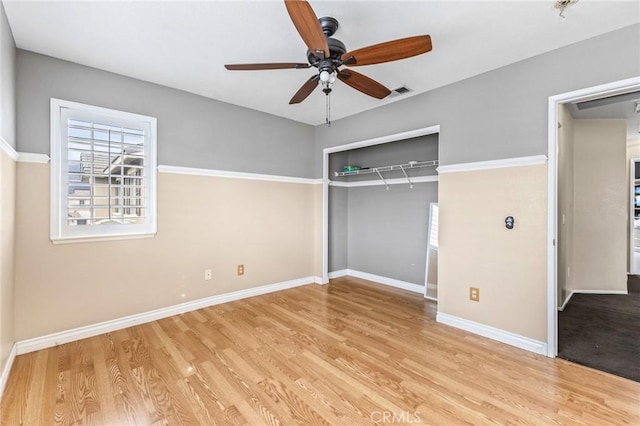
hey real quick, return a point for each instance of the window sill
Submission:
(98, 238)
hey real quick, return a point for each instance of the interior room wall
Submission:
(193, 131)
(318, 238)
(499, 114)
(565, 203)
(338, 228)
(338, 216)
(7, 255)
(7, 188)
(388, 230)
(601, 205)
(203, 222)
(477, 250)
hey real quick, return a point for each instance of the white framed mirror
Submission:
(431, 274)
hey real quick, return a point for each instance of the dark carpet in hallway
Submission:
(602, 331)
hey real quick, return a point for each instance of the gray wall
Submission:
(193, 131)
(388, 230)
(7, 82)
(499, 114)
(379, 231)
(338, 228)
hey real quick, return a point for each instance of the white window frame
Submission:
(61, 231)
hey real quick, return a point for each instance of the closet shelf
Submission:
(382, 169)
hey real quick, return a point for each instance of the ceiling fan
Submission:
(328, 55)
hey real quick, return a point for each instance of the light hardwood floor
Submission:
(351, 352)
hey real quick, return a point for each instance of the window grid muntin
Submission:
(129, 188)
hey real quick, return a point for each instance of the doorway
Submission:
(585, 188)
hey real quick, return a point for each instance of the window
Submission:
(103, 172)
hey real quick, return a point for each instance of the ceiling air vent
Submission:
(400, 91)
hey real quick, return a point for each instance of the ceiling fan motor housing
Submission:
(336, 49)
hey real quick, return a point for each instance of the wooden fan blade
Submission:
(306, 22)
(305, 90)
(388, 51)
(363, 83)
(274, 66)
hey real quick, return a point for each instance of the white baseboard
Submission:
(320, 280)
(386, 281)
(338, 274)
(6, 369)
(54, 339)
(500, 335)
(564, 304)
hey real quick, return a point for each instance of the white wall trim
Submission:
(54, 339)
(8, 149)
(378, 182)
(392, 282)
(6, 369)
(533, 160)
(498, 334)
(595, 92)
(564, 304)
(31, 157)
(338, 274)
(235, 175)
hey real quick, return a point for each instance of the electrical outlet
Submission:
(208, 274)
(240, 269)
(474, 294)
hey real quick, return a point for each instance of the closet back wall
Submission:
(386, 230)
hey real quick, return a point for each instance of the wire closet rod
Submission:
(382, 169)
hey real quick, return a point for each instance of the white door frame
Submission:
(325, 180)
(595, 92)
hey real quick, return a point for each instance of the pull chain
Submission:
(328, 110)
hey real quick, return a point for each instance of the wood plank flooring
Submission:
(351, 352)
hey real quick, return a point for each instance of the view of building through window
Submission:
(105, 174)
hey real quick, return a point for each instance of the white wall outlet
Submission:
(208, 274)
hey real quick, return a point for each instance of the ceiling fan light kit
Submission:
(328, 55)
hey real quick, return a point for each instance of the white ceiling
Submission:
(184, 44)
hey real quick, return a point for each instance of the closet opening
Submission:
(378, 198)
